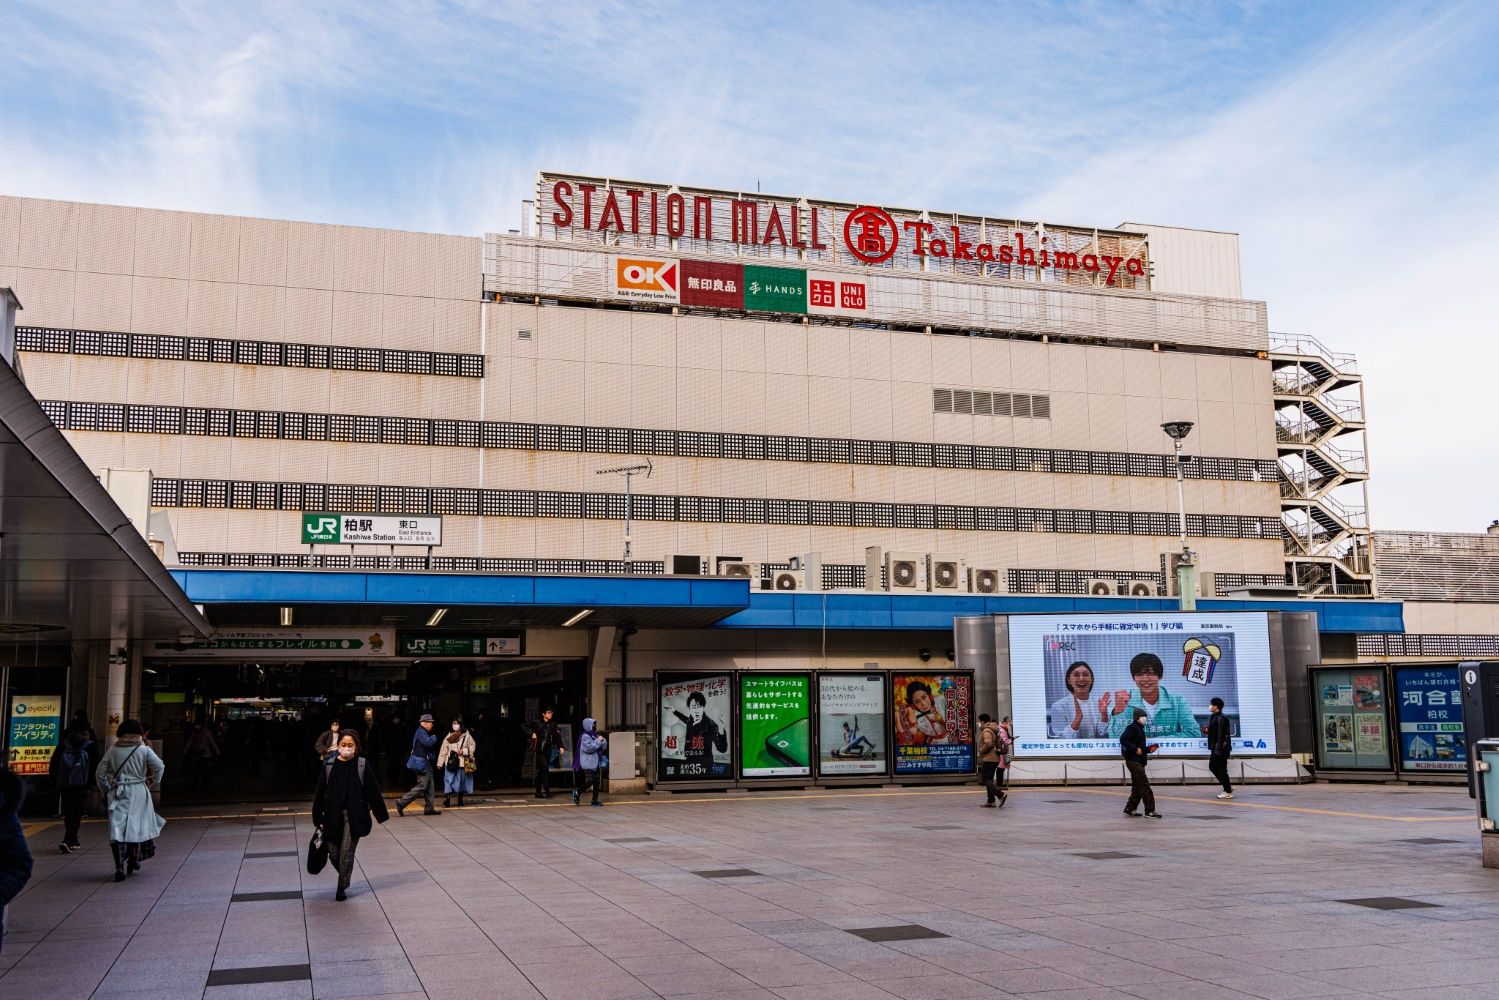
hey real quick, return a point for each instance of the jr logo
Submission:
(320, 528)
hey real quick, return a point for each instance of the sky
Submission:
(1354, 146)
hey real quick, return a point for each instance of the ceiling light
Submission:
(285, 617)
(436, 617)
(578, 617)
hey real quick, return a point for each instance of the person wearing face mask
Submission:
(346, 799)
(455, 762)
(327, 744)
(422, 763)
(1136, 749)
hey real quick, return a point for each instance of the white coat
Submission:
(126, 774)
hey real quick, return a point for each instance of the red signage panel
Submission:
(720, 286)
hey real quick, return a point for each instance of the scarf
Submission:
(129, 741)
(455, 737)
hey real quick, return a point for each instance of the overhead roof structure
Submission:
(72, 565)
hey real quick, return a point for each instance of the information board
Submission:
(35, 729)
(1430, 711)
(775, 725)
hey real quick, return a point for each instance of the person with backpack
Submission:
(126, 774)
(72, 770)
(344, 803)
(15, 855)
(993, 745)
(423, 763)
(589, 762)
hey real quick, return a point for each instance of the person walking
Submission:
(1220, 745)
(15, 855)
(422, 763)
(72, 771)
(327, 744)
(455, 761)
(345, 801)
(546, 741)
(1136, 754)
(992, 748)
(198, 754)
(588, 762)
(126, 774)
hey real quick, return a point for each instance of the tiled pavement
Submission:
(916, 893)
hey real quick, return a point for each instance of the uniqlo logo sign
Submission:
(720, 286)
(837, 295)
(649, 279)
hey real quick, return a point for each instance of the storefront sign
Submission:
(1079, 678)
(718, 286)
(1430, 711)
(830, 294)
(282, 644)
(933, 723)
(508, 644)
(35, 729)
(325, 528)
(646, 279)
(775, 289)
(851, 725)
(775, 725)
(696, 712)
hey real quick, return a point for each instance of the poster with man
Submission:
(1079, 679)
(696, 712)
(933, 723)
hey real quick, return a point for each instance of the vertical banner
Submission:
(35, 728)
(851, 725)
(775, 725)
(695, 717)
(1431, 719)
(933, 723)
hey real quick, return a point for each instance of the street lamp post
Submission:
(1186, 568)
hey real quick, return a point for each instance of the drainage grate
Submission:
(1208, 817)
(727, 873)
(259, 974)
(1104, 855)
(900, 932)
(948, 826)
(271, 854)
(1389, 903)
(264, 897)
(629, 840)
(1431, 840)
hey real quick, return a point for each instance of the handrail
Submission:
(1300, 343)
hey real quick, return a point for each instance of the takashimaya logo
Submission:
(870, 234)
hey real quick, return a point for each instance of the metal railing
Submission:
(1297, 343)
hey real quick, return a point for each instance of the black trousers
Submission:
(543, 772)
(1218, 764)
(992, 776)
(1139, 787)
(73, 802)
(587, 778)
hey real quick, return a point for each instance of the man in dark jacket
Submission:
(1220, 745)
(15, 856)
(422, 763)
(72, 769)
(1136, 753)
(546, 739)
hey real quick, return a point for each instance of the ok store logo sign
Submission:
(649, 279)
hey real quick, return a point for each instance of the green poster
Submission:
(775, 289)
(775, 725)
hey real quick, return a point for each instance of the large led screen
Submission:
(1077, 680)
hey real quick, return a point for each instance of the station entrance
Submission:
(245, 730)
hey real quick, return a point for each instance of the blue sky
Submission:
(1352, 145)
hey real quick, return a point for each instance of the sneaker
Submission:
(1225, 795)
(64, 848)
(1154, 815)
(987, 805)
(1003, 798)
(596, 804)
(575, 797)
(1131, 814)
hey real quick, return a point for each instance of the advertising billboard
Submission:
(933, 723)
(775, 725)
(35, 728)
(696, 711)
(711, 284)
(1430, 715)
(1078, 679)
(851, 725)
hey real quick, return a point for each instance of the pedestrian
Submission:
(1136, 755)
(346, 797)
(327, 744)
(1220, 745)
(546, 741)
(72, 771)
(992, 747)
(80, 722)
(1004, 771)
(15, 855)
(126, 774)
(588, 762)
(422, 763)
(198, 754)
(456, 762)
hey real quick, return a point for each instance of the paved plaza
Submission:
(1286, 892)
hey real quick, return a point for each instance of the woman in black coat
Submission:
(347, 795)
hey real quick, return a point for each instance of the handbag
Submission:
(317, 852)
(416, 762)
(454, 764)
(469, 767)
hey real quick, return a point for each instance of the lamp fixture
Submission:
(436, 617)
(285, 617)
(578, 617)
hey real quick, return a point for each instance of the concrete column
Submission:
(119, 675)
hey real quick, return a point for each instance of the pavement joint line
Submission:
(675, 800)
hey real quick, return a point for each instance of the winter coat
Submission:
(463, 747)
(126, 774)
(1220, 735)
(590, 745)
(326, 743)
(339, 793)
(1132, 745)
(994, 744)
(424, 744)
(15, 855)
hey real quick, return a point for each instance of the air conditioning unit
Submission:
(946, 573)
(741, 570)
(907, 571)
(788, 579)
(811, 566)
(686, 565)
(874, 568)
(983, 581)
(1101, 588)
(1140, 588)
